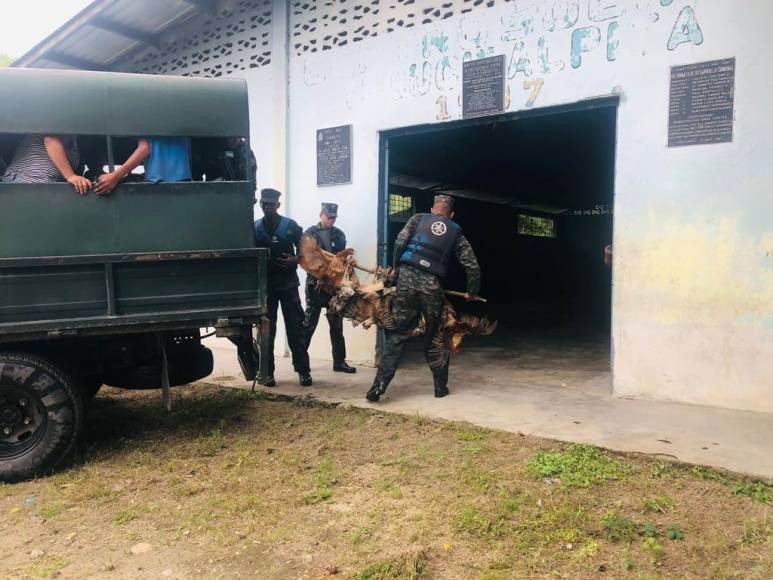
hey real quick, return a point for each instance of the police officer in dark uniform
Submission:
(422, 254)
(330, 239)
(282, 237)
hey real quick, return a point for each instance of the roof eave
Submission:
(52, 40)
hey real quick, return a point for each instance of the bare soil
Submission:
(233, 485)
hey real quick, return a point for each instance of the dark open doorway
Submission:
(534, 195)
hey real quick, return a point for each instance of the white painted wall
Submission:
(693, 285)
(693, 296)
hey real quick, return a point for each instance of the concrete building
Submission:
(601, 139)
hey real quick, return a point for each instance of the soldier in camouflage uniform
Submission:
(422, 254)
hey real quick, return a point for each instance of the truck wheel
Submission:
(41, 416)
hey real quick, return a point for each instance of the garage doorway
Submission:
(535, 196)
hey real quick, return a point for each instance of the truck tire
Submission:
(41, 416)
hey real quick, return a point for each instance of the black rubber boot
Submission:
(440, 378)
(375, 392)
(342, 367)
(304, 379)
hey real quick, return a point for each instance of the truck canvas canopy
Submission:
(101, 103)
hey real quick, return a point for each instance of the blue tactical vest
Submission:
(432, 244)
(278, 243)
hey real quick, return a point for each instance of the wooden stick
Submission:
(370, 271)
(463, 294)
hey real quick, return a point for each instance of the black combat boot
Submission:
(440, 378)
(375, 392)
(304, 379)
(342, 367)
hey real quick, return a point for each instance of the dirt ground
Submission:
(233, 485)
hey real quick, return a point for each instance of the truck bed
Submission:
(83, 295)
(74, 266)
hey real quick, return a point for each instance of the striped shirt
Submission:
(31, 163)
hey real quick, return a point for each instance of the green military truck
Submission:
(115, 289)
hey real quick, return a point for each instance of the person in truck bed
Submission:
(47, 159)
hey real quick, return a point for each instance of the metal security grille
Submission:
(400, 207)
(530, 225)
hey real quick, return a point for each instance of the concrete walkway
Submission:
(739, 441)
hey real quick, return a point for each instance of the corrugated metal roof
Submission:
(107, 31)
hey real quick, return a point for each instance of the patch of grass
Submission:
(468, 435)
(654, 550)
(49, 567)
(97, 493)
(618, 528)
(124, 517)
(474, 477)
(589, 550)
(578, 466)
(471, 521)
(501, 564)
(674, 532)
(318, 495)
(326, 475)
(759, 491)
(649, 531)
(51, 511)
(360, 535)
(510, 503)
(411, 566)
(420, 420)
(661, 470)
(756, 531)
(210, 445)
(708, 474)
(660, 504)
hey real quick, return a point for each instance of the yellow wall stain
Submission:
(698, 273)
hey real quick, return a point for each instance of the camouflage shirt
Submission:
(429, 283)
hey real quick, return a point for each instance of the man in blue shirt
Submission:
(282, 237)
(169, 159)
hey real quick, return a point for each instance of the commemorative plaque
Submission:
(334, 155)
(701, 101)
(483, 86)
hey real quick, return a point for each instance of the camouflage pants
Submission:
(411, 298)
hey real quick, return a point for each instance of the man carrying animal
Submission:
(331, 239)
(282, 237)
(422, 254)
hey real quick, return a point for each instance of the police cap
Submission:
(269, 195)
(330, 209)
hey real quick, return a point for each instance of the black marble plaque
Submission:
(483, 86)
(701, 102)
(334, 155)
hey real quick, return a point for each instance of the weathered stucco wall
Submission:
(693, 295)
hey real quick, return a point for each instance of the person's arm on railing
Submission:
(109, 181)
(58, 154)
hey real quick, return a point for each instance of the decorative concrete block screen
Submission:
(319, 25)
(236, 38)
